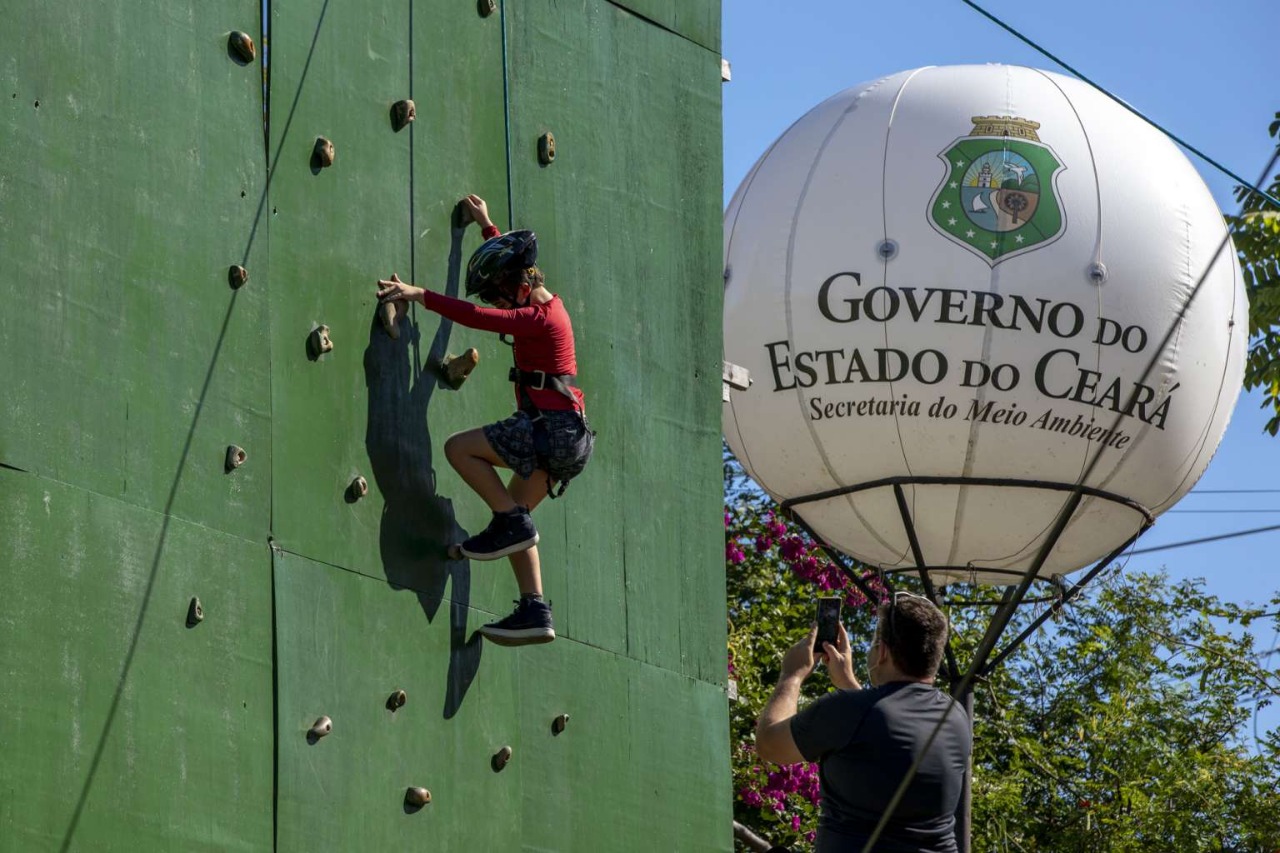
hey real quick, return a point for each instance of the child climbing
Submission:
(547, 442)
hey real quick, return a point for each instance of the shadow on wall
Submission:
(417, 522)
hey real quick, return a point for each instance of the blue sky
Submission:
(1203, 71)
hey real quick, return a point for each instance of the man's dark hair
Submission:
(914, 631)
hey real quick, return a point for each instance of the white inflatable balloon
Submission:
(964, 273)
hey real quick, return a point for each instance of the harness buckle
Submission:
(520, 377)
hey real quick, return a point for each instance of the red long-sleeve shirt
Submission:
(542, 336)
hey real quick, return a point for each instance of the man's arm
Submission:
(774, 741)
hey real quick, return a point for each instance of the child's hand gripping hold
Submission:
(477, 209)
(398, 292)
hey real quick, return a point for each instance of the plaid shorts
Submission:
(569, 444)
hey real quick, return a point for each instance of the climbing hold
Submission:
(417, 797)
(359, 488)
(558, 724)
(396, 700)
(402, 112)
(237, 276)
(322, 727)
(887, 249)
(456, 368)
(195, 613)
(461, 215)
(389, 315)
(500, 759)
(1098, 272)
(547, 148)
(235, 457)
(241, 47)
(486, 7)
(322, 155)
(319, 342)
(726, 71)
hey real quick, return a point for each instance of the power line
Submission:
(1177, 139)
(1211, 511)
(1217, 538)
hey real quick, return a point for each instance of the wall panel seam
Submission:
(630, 11)
(138, 506)
(275, 547)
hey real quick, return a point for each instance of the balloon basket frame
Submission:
(985, 658)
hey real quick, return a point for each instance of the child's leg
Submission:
(528, 493)
(474, 459)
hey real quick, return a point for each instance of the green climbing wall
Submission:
(633, 112)
(134, 170)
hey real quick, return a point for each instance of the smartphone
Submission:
(828, 623)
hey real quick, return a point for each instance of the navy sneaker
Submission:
(506, 534)
(529, 624)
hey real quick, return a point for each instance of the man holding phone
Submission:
(867, 740)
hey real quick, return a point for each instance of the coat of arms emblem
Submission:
(998, 199)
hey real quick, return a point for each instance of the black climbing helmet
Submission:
(497, 258)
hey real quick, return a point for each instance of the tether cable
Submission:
(1234, 535)
(1234, 492)
(1064, 514)
(1253, 188)
(1223, 511)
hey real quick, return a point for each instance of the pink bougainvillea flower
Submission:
(791, 549)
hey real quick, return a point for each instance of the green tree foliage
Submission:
(1256, 231)
(1124, 725)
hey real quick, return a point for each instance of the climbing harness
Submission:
(538, 380)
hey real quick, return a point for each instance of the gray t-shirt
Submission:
(865, 742)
